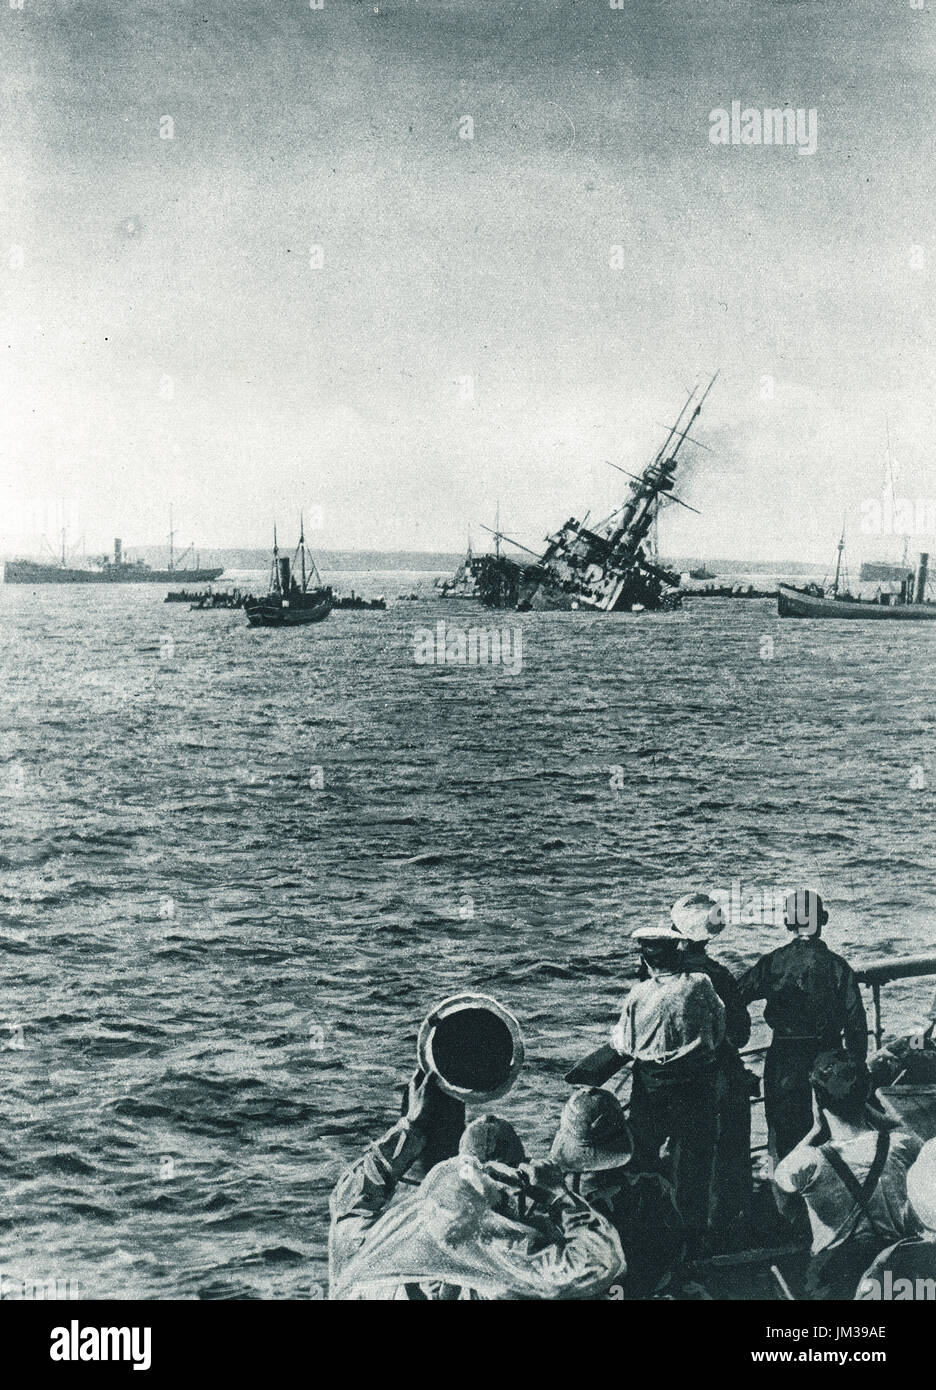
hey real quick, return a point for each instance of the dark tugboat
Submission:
(291, 602)
(908, 604)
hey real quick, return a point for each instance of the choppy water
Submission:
(213, 972)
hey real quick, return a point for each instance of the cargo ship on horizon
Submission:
(107, 570)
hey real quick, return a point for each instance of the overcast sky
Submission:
(168, 337)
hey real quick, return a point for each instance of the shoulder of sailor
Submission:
(769, 961)
(642, 989)
(701, 987)
(799, 1170)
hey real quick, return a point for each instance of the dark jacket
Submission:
(737, 1018)
(810, 993)
(642, 1208)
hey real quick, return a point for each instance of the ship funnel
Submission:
(472, 1046)
(118, 552)
(284, 573)
(922, 568)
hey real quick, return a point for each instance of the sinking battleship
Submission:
(611, 567)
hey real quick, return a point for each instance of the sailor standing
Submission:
(672, 1028)
(812, 1003)
(699, 917)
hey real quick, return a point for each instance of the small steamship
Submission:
(291, 602)
(904, 599)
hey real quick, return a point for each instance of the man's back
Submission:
(809, 992)
(737, 1018)
(670, 1016)
(832, 1208)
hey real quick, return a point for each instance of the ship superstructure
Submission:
(613, 565)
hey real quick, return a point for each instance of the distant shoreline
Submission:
(425, 560)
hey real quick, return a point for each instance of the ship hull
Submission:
(271, 612)
(621, 595)
(794, 603)
(24, 572)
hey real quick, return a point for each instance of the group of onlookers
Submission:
(632, 1206)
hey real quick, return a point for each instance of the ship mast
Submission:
(838, 563)
(171, 542)
(500, 535)
(648, 490)
(890, 470)
(302, 550)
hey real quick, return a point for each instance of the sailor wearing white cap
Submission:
(699, 916)
(672, 1026)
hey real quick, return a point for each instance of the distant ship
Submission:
(106, 570)
(907, 604)
(491, 578)
(464, 582)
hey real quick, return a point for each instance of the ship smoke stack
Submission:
(284, 574)
(921, 577)
(118, 552)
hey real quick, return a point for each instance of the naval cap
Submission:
(663, 933)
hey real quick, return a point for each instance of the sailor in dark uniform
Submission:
(813, 1004)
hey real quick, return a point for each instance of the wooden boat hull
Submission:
(795, 603)
(269, 613)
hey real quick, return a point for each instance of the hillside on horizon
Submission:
(431, 561)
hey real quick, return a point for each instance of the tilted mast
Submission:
(639, 513)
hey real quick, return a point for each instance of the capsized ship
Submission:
(612, 566)
(106, 570)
